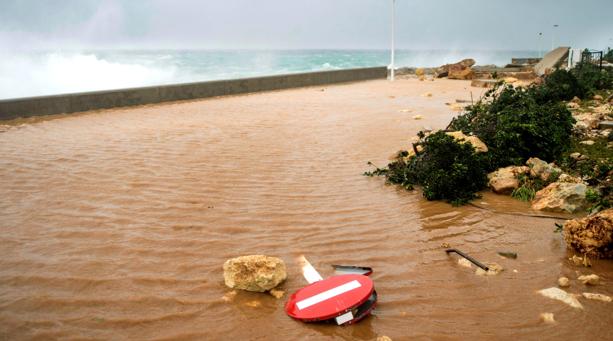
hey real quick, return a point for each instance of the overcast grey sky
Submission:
(292, 24)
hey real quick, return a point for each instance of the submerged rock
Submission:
(597, 297)
(591, 236)
(504, 180)
(561, 295)
(494, 269)
(254, 273)
(561, 197)
(459, 136)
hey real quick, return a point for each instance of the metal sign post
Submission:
(393, 49)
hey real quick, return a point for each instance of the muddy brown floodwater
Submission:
(115, 224)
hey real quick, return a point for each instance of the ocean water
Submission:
(24, 74)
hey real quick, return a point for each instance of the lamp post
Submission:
(553, 35)
(540, 44)
(393, 48)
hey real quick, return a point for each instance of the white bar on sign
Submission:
(326, 295)
(344, 318)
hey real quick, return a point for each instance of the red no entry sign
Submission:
(347, 298)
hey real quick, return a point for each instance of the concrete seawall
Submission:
(77, 102)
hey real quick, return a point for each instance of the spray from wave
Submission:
(35, 74)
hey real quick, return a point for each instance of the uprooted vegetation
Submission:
(516, 123)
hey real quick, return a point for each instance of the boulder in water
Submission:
(504, 180)
(591, 236)
(254, 273)
(561, 197)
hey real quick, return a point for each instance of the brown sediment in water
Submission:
(115, 224)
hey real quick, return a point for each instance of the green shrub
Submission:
(591, 78)
(516, 124)
(446, 170)
(562, 85)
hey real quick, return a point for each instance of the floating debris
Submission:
(597, 297)
(508, 254)
(561, 295)
(547, 318)
(578, 261)
(405, 110)
(590, 279)
(418, 117)
(276, 293)
(427, 94)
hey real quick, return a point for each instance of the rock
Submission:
(561, 197)
(254, 273)
(427, 94)
(587, 142)
(587, 121)
(459, 136)
(598, 297)
(547, 318)
(444, 70)
(465, 263)
(494, 269)
(504, 180)
(384, 338)
(253, 304)
(563, 282)
(420, 72)
(589, 279)
(576, 100)
(597, 98)
(591, 236)
(229, 296)
(422, 78)
(510, 80)
(418, 117)
(542, 169)
(572, 105)
(278, 294)
(462, 74)
(576, 156)
(561, 295)
(569, 179)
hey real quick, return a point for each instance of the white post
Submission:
(553, 36)
(540, 44)
(393, 40)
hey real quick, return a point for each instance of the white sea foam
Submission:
(28, 74)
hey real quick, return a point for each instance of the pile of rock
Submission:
(565, 193)
(459, 70)
(589, 117)
(591, 236)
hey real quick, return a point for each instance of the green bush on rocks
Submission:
(446, 169)
(516, 124)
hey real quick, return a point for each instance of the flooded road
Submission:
(114, 225)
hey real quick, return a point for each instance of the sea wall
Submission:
(78, 102)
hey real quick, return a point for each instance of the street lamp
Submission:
(553, 35)
(540, 44)
(393, 48)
